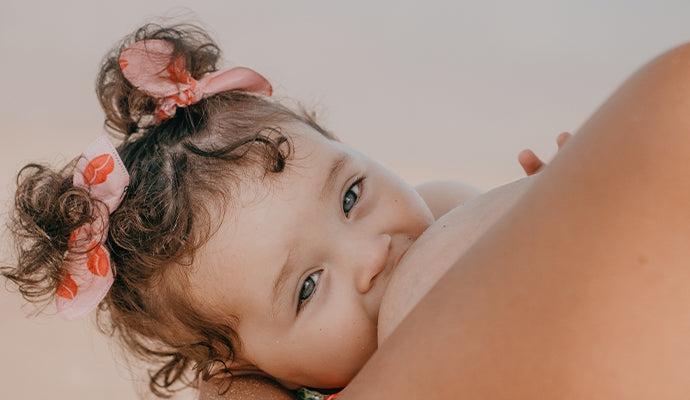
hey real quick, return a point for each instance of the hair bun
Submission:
(129, 110)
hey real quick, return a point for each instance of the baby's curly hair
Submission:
(169, 210)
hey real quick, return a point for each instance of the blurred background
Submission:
(438, 89)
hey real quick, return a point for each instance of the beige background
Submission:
(448, 89)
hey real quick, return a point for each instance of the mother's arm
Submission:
(244, 387)
(581, 289)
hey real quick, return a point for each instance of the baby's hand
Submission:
(531, 163)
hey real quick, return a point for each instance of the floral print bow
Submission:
(88, 273)
(148, 65)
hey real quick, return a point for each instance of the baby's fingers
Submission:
(562, 138)
(530, 162)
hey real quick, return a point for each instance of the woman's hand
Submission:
(531, 163)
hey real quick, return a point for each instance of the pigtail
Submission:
(47, 208)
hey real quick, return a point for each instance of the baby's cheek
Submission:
(344, 349)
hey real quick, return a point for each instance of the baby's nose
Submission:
(372, 258)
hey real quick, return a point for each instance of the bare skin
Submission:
(532, 164)
(244, 387)
(444, 241)
(452, 234)
(441, 196)
(448, 239)
(580, 289)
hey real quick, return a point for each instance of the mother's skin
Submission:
(438, 248)
(582, 289)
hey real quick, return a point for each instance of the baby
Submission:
(228, 234)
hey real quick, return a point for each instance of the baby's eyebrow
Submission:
(281, 280)
(336, 167)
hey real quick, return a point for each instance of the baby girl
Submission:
(229, 235)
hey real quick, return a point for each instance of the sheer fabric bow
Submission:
(148, 65)
(88, 273)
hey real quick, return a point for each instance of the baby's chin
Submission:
(328, 365)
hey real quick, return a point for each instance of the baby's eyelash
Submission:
(352, 196)
(307, 289)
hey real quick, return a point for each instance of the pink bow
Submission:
(88, 275)
(147, 65)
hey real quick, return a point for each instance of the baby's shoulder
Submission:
(444, 195)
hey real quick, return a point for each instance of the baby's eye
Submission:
(308, 288)
(350, 198)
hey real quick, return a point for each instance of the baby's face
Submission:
(302, 260)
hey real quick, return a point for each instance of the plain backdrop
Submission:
(441, 89)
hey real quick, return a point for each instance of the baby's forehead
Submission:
(266, 211)
(254, 234)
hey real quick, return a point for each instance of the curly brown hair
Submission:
(169, 210)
